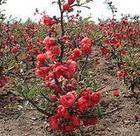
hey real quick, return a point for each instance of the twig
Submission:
(114, 110)
(99, 89)
(30, 100)
(45, 97)
(37, 107)
(83, 68)
(81, 5)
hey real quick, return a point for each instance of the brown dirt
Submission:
(122, 122)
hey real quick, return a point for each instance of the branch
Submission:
(114, 110)
(38, 108)
(83, 68)
(81, 5)
(62, 29)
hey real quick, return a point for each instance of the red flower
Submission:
(59, 70)
(39, 73)
(3, 81)
(54, 122)
(71, 1)
(68, 128)
(74, 124)
(49, 42)
(115, 42)
(71, 86)
(68, 99)
(83, 104)
(116, 92)
(48, 21)
(51, 56)
(120, 74)
(67, 7)
(53, 98)
(71, 67)
(75, 120)
(15, 49)
(62, 112)
(88, 122)
(49, 77)
(41, 57)
(86, 46)
(86, 40)
(51, 46)
(54, 86)
(95, 97)
(42, 71)
(104, 51)
(86, 93)
(56, 50)
(76, 53)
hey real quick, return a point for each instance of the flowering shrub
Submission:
(19, 44)
(121, 46)
(72, 104)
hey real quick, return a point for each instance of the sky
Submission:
(25, 8)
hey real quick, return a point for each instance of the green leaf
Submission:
(99, 111)
(32, 93)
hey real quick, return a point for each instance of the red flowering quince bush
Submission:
(71, 103)
(121, 47)
(19, 45)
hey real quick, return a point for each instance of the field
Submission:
(67, 76)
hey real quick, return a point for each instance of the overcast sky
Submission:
(25, 8)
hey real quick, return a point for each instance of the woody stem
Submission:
(62, 29)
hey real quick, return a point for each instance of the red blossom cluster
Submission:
(120, 74)
(68, 114)
(48, 21)
(54, 71)
(68, 6)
